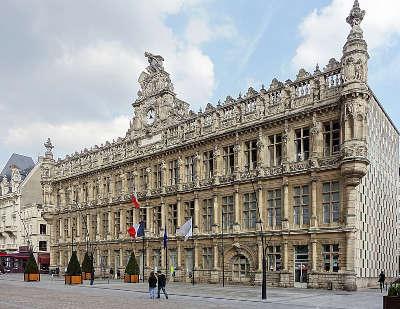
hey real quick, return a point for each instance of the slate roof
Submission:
(25, 165)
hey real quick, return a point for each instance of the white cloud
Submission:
(199, 30)
(324, 31)
(75, 81)
(68, 137)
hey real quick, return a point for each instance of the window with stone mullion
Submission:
(143, 179)
(173, 173)
(228, 212)
(189, 210)
(105, 223)
(207, 258)
(117, 222)
(249, 210)
(274, 202)
(208, 206)
(66, 228)
(157, 173)
(251, 155)
(143, 216)
(131, 182)
(172, 218)
(94, 225)
(208, 163)
(301, 205)
(275, 149)
(274, 258)
(190, 168)
(302, 143)
(229, 160)
(331, 135)
(129, 217)
(330, 202)
(74, 227)
(331, 257)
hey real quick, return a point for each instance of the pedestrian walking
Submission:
(111, 273)
(162, 280)
(152, 285)
(381, 280)
(92, 276)
(118, 274)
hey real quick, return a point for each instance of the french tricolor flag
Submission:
(135, 201)
(136, 230)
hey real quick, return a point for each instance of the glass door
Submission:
(300, 266)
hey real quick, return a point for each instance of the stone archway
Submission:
(239, 264)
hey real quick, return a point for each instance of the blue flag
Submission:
(165, 238)
(140, 231)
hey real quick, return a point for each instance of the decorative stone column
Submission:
(237, 225)
(218, 164)
(180, 210)
(196, 218)
(237, 149)
(181, 170)
(216, 215)
(285, 274)
(314, 216)
(285, 191)
(149, 220)
(261, 152)
(215, 272)
(124, 227)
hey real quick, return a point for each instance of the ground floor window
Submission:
(274, 258)
(331, 257)
(240, 268)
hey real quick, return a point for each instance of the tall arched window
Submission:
(240, 268)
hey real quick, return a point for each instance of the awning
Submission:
(44, 258)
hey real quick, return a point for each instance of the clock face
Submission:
(150, 116)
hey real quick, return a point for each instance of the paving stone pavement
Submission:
(52, 293)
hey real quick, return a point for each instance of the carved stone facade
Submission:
(289, 158)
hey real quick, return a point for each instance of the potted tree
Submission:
(31, 272)
(74, 273)
(132, 270)
(87, 266)
(392, 300)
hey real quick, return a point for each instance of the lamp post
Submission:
(264, 264)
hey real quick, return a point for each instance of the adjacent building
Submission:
(310, 166)
(21, 223)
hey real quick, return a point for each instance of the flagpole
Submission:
(193, 255)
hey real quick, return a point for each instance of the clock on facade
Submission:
(151, 116)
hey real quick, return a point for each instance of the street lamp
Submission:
(264, 263)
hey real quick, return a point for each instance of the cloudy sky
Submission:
(69, 69)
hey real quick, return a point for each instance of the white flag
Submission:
(186, 229)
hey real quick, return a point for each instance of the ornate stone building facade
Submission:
(289, 162)
(21, 207)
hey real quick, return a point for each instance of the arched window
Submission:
(240, 268)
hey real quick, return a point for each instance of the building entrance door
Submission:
(300, 266)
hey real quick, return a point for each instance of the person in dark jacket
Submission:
(161, 284)
(381, 280)
(92, 276)
(111, 273)
(152, 285)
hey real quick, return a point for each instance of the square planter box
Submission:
(131, 278)
(85, 276)
(73, 279)
(391, 302)
(31, 277)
